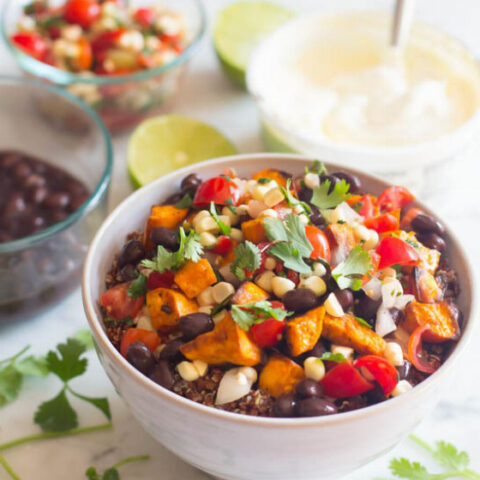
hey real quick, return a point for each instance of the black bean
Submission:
(21, 170)
(285, 406)
(140, 357)
(15, 205)
(375, 395)
(131, 252)
(432, 240)
(309, 388)
(404, 370)
(397, 315)
(345, 298)
(316, 217)
(165, 237)
(315, 407)
(34, 180)
(351, 179)
(365, 307)
(171, 351)
(38, 194)
(299, 300)
(318, 350)
(128, 272)
(173, 199)
(423, 223)
(333, 181)
(195, 324)
(163, 374)
(305, 194)
(77, 201)
(57, 216)
(190, 184)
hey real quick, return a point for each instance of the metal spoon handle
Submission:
(402, 21)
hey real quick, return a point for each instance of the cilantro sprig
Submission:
(349, 273)
(253, 313)
(247, 259)
(317, 167)
(291, 243)
(112, 472)
(138, 287)
(224, 228)
(322, 199)
(190, 249)
(333, 357)
(291, 200)
(185, 202)
(452, 460)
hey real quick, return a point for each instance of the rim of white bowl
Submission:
(373, 157)
(106, 346)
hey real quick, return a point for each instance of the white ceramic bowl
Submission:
(238, 447)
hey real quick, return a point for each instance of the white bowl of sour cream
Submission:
(330, 86)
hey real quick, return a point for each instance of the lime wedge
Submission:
(239, 28)
(162, 144)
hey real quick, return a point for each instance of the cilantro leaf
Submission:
(291, 200)
(447, 455)
(84, 336)
(185, 202)
(403, 468)
(111, 474)
(138, 287)
(324, 200)
(10, 384)
(69, 365)
(348, 274)
(363, 322)
(292, 242)
(190, 249)
(224, 228)
(248, 314)
(317, 167)
(98, 402)
(92, 474)
(247, 258)
(33, 366)
(333, 357)
(56, 415)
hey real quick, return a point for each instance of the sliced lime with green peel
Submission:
(239, 28)
(162, 144)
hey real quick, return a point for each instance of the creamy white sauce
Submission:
(335, 78)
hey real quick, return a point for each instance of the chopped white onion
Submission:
(228, 276)
(343, 212)
(385, 323)
(373, 289)
(235, 384)
(403, 300)
(390, 292)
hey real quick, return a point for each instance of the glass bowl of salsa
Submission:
(125, 59)
(55, 169)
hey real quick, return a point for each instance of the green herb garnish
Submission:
(363, 322)
(253, 313)
(324, 200)
(247, 259)
(225, 229)
(291, 200)
(112, 472)
(333, 357)
(185, 202)
(264, 180)
(349, 273)
(317, 167)
(138, 287)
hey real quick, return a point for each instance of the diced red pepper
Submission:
(82, 12)
(31, 43)
(149, 338)
(218, 190)
(417, 355)
(223, 246)
(160, 280)
(383, 223)
(344, 380)
(268, 333)
(394, 197)
(394, 251)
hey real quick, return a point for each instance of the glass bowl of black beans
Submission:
(55, 169)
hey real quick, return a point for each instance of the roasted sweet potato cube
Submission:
(226, 343)
(166, 306)
(347, 331)
(280, 375)
(429, 258)
(254, 231)
(248, 292)
(424, 286)
(194, 277)
(163, 216)
(276, 175)
(303, 332)
(439, 317)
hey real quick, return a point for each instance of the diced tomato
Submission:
(381, 370)
(217, 190)
(82, 12)
(293, 276)
(106, 40)
(416, 354)
(344, 380)
(319, 242)
(31, 43)
(394, 251)
(118, 304)
(223, 246)
(160, 280)
(383, 223)
(144, 16)
(406, 223)
(268, 333)
(149, 338)
(394, 197)
(368, 207)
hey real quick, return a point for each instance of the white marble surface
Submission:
(210, 97)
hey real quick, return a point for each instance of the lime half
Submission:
(239, 28)
(163, 144)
